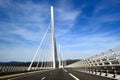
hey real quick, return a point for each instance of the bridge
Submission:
(48, 64)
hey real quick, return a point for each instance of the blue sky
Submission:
(83, 27)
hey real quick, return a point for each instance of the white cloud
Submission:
(28, 34)
(17, 54)
(5, 3)
(106, 4)
(65, 20)
(22, 32)
(87, 45)
(90, 40)
(70, 15)
(27, 20)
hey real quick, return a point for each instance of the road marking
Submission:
(74, 76)
(43, 78)
(65, 70)
(20, 74)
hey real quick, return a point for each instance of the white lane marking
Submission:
(74, 76)
(43, 78)
(65, 70)
(20, 75)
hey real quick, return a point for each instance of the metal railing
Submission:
(105, 64)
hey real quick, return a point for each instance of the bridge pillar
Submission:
(54, 50)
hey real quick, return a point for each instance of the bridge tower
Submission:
(54, 49)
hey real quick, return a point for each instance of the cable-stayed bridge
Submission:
(47, 63)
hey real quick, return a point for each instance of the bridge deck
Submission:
(59, 74)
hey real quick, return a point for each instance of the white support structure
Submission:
(38, 47)
(54, 52)
(59, 57)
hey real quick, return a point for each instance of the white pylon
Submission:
(59, 56)
(54, 52)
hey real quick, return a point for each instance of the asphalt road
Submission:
(58, 74)
(86, 76)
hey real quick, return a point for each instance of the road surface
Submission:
(58, 74)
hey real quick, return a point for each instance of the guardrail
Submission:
(5, 69)
(105, 63)
(13, 68)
